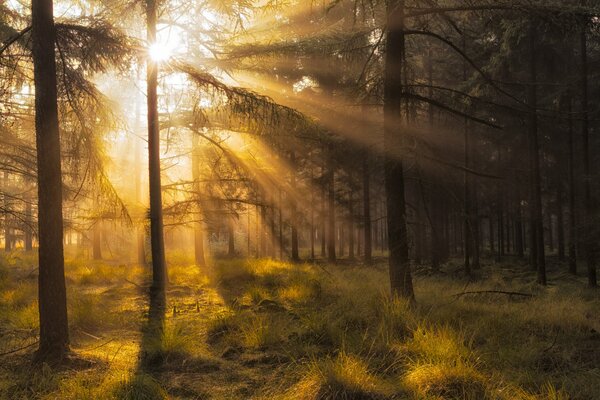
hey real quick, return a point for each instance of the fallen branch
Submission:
(493, 292)
(19, 349)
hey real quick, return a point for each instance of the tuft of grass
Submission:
(262, 331)
(394, 317)
(344, 377)
(174, 343)
(26, 317)
(139, 387)
(446, 381)
(89, 313)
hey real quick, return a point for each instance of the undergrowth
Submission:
(270, 330)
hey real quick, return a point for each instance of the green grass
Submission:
(269, 330)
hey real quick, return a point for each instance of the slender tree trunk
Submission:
(550, 232)
(399, 266)
(97, 241)
(159, 264)
(590, 243)
(536, 187)
(7, 219)
(230, 239)
(467, 188)
(294, 216)
(323, 211)
(28, 224)
(571, 155)
(368, 257)
(198, 229)
(312, 220)
(351, 225)
(52, 294)
(281, 244)
(141, 229)
(519, 233)
(331, 206)
(491, 233)
(560, 225)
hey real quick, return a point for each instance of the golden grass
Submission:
(235, 328)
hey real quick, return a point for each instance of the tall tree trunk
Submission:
(367, 230)
(159, 264)
(141, 230)
(519, 233)
(536, 187)
(560, 225)
(312, 210)
(571, 155)
(331, 206)
(590, 242)
(28, 223)
(294, 211)
(351, 225)
(97, 241)
(491, 232)
(199, 256)
(7, 217)
(399, 266)
(281, 244)
(323, 210)
(230, 239)
(467, 188)
(52, 294)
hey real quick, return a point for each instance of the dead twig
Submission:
(494, 292)
(19, 349)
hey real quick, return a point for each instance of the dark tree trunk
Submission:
(97, 241)
(312, 215)
(351, 225)
(550, 232)
(230, 239)
(293, 209)
(491, 233)
(571, 155)
(519, 233)
(560, 225)
(198, 234)
(536, 187)
(52, 295)
(28, 224)
(159, 264)
(399, 267)
(331, 206)
(368, 257)
(590, 243)
(281, 244)
(323, 211)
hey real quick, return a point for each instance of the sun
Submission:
(169, 42)
(159, 52)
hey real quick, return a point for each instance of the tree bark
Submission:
(293, 209)
(536, 187)
(54, 332)
(159, 264)
(399, 267)
(571, 155)
(199, 256)
(367, 230)
(331, 206)
(590, 244)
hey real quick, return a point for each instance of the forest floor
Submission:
(263, 329)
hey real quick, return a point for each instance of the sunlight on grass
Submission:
(343, 377)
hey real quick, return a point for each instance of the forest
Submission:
(299, 199)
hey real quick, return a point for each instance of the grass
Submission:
(231, 331)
